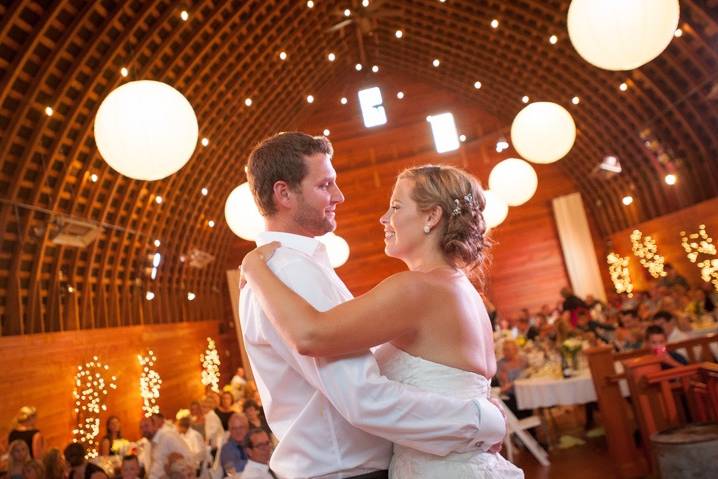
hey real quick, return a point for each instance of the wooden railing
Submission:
(616, 413)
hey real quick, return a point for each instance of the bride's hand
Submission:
(257, 256)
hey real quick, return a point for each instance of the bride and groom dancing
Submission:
(418, 405)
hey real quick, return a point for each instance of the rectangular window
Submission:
(444, 130)
(371, 107)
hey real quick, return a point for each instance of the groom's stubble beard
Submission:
(313, 219)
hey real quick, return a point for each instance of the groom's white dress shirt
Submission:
(327, 413)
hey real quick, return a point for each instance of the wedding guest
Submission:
(667, 322)
(179, 467)
(165, 441)
(258, 446)
(130, 468)
(238, 383)
(656, 340)
(197, 418)
(33, 470)
(26, 431)
(225, 408)
(508, 369)
(18, 454)
(54, 464)
(672, 277)
(193, 439)
(79, 467)
(255, 415)
(213, 430)
(108, 446)
(233, 457)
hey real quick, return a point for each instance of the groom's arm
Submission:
(428, 422)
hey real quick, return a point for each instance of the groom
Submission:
(335, 418)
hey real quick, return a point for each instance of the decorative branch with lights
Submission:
(620, 276)
(700, 243)
(91, 389)
(210, 366)
(150, 383)
(646, 250)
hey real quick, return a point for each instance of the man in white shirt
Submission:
(335, 418)
(193, 439)
(165, 442)
(259, 449)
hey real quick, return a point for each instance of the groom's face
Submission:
(318, 196)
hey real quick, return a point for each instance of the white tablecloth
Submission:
(547, 392)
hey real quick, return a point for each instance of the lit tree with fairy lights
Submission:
(210, 366)
(92, 382)
(150, 383)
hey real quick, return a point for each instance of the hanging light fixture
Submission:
(242, 214)
(543, 132)
(514, 180)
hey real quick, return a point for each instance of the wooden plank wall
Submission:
(527, 268)
(39, 370)
(666, 231)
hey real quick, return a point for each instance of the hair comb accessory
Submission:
(457, 210)
(469, 198)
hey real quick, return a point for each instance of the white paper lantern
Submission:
(242, 214)
(513, 180)
(543, 132)
(146, 130)
(621, 34)
(496, 209)
(337, 249)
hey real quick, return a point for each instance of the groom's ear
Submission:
(282, 194)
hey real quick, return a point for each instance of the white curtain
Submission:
(578, 252)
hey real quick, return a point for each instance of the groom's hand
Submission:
(496, 448)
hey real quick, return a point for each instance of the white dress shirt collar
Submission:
(311, 247)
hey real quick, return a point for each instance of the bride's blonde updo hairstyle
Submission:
(460, 196)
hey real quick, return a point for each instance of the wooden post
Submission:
(628, 461)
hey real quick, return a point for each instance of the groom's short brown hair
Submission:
(281, 158)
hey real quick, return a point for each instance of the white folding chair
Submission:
(519, 427)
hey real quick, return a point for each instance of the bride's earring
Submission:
(427, 230)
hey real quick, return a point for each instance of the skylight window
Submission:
(371, 107)
(444, 129)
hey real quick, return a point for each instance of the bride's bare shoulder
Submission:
(416, 283)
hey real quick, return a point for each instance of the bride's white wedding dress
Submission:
(406, 463)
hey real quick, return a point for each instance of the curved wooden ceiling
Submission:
(68, 55)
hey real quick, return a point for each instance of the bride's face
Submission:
(403, 222)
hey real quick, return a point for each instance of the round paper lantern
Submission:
(513, 180)
(621, 34)
(543, 132)
(242, 214)
(146, 130)
(496, 209)
(337, 249)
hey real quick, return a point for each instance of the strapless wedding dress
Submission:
(406, 463)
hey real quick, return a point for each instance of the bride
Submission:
(430, 322)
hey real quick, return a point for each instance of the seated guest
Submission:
(524, 328)
(255, 415)
(79, 467)
(225, 408)
(179, 468)
(258, 446)
(165, 441)
(508, 369)
(18, 454)
(192, 438)
(213, 430)
(26, 430)
(54, 464)
(33, 470)
(672, 278)
(197, 418)
(586, 324)
(233, 457)
(130, 468)
(108, 446)
(656, 340)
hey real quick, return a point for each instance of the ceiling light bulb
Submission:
(248, 102)
(400, 95)
(211, 223)
(358, 67)
(191, 296)
(494, 24)
(204, 191)
(347, 12)
(627, 200)
(375, 68)
(184, 15)
(282, 55)
(149, 296)
(310, 4)
(124, 71)
(525, 99)
(343, 100)
(331, 57)
(157, 243)
(326, 132)
(678, 33)
(623, 86)
(462, 138)
(398, 34)
(158, 199)
(364, 3)
(205, 141)
(436, 62)
(310, 98)
(477, 84)
(48, 111)
(670, 179)
(93, 178)
(575, 100)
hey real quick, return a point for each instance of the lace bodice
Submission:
(406, 463)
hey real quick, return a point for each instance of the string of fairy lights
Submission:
(699, 247)
(94, 382)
